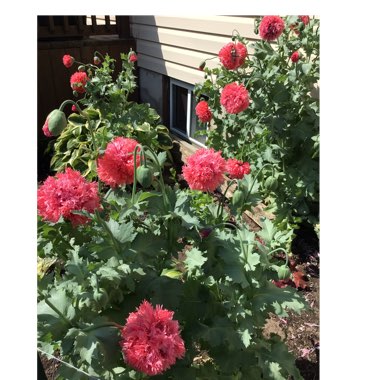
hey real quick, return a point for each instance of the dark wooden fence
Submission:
(79, 36)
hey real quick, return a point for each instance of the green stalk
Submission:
(221, 202)
(254, 180)
(161, 179)
(105, 324)
(280, 249)
(245, 252)
(97, 54)
(55, 309)
(69, 101)
(135, 169)
(115, 243)
(87, 64)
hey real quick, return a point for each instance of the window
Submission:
(183, 120)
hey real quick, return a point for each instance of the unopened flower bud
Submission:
(97, 60)
(238, 198)
(55, 123)
(133, 57)
(283, 272)
(68, 60)
(204, 232)
(144, 176)
(202, 65)
(82, 68)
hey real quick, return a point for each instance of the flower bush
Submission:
(102, 114)
(278, 128)
(151, 279)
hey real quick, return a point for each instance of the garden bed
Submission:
(299, 332)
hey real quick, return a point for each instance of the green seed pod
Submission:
(56, 122)
(101, 297)
(271, 183)
(144, 176)
(82, 68)
(238, 198)
(283, 272)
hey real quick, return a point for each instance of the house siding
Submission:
(175, 46)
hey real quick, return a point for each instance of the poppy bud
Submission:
(202, 65)
(238, 198)
(82, 68)
(97, 60)
(56, 122)
(133, 57)
(68, 60)
(204, 232)
(144, 176)
(283, 272)
(271, 183)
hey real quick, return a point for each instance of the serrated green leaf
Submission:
(267, 231)
(162, 157)
(194, 259)
(275, 371)
(245, 337)
(306, 67)
(123, 232)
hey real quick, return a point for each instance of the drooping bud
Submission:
(144, 176)
(238, 198)
(56, 122)
(202, 65)
(283, 272)
(271, 183)
(82, 68)
(97, 60)
(204, 232)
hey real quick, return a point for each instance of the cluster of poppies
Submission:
(234, 97)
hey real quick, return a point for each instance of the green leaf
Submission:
(245, 337)
(145, 195)
(267, 231)
(164, 291)
(275, 371)
(277, 300)
(194, 259)
(162, 157)
(172, 273)
(306, 67)
(122, 232)
(49, 319)
(98, 344)
(76, 120)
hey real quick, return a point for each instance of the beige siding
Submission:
(175, 46)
